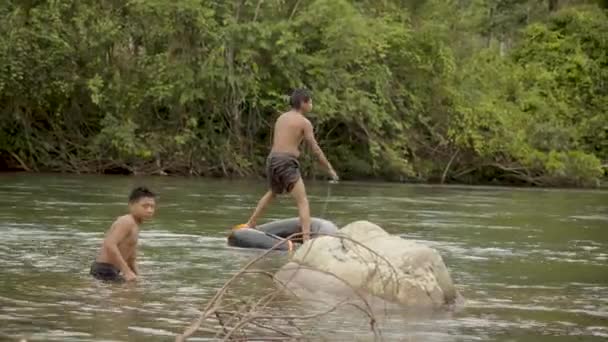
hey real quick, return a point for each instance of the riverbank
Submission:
(439, 93)
(601, 184)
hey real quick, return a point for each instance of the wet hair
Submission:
(139, 193)
(299, 96)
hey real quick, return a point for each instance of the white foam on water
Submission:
(169, 320)
(233, 207)
(586, 242)
(494, 227)
(69, 302)
(438, 224)
(166, 234)
(152, 331)
(499, 300)
(14, 194)
(474, 258)
(528, 307)
(575, 261)
(58, 333)
(71, 204)
(96, 310)
(567, 324)
(590, 217)
(21, 186)
(535, 287)
(494, 251)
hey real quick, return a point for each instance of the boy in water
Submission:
(282, 166)
(117, 255)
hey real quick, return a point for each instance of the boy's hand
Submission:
(130, 276)
(334, 175)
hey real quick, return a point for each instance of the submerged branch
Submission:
(253, 321)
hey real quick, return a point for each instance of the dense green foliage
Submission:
(435, 90)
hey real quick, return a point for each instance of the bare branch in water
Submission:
(252, 319)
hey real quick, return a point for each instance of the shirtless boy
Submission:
(282, 165)
(116, 260)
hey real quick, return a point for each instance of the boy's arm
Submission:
(132, 263)
(312, 142)
(123, 227)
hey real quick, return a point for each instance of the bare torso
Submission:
(288, 133)
(127, 246)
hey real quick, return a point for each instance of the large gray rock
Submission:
(397, 271)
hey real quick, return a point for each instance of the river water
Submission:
(531, 263)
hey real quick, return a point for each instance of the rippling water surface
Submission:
(532, 264)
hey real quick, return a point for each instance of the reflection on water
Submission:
(531, 263)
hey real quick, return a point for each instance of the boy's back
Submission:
(288, 133)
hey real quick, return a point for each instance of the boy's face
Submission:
(143, 208)
(307, 106)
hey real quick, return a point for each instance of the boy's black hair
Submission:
(140, 192)
(299, 96)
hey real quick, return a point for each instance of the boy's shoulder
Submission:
(294, 117)
(283, 116)
(125, 220)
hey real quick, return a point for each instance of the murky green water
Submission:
(532, 264)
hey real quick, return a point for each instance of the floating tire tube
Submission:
(267, 235)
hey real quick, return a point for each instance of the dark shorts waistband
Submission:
(282, 155)
(105, 271)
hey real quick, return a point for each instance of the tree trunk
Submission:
(490, 29)
(553, 4)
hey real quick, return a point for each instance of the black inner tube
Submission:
(269, 234)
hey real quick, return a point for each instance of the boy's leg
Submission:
(299, 194)
(262, 203)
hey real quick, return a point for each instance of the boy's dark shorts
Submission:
(106, 272)
(283, 171)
